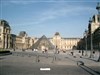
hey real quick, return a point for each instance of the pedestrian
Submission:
(72, 53)
(82, 52)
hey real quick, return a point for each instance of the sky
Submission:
(46, 17)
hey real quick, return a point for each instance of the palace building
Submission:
(91, 40)
(12, 41)
(23, 41)
(57, 42)
(64, 43)
(5, 34)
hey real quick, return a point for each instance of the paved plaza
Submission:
(29, 63)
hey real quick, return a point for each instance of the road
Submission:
(25, 63)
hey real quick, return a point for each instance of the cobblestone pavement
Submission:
(64, 64)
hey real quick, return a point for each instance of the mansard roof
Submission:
(57, 33)
(4, 23)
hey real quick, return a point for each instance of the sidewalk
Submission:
(91, 63)
(94, 56)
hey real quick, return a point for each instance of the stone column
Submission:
(9, 41)
(5, 40)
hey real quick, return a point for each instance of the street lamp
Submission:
(90, 21)
(56, 45)
(55, 52)
(85, 35)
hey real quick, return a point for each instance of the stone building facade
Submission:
(12, 41)
(96, 39)
(5, 34)
(23, 41)
(91, 40)
(93, 25)
(64, 43)
(61, 43)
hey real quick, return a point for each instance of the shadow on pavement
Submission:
(2, 58)
(89, 70)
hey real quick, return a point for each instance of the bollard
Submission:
(74, 56)
(37, 59)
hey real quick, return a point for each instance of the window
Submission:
(93, 18)
(0, 30)
(98, 18)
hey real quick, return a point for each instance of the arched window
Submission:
(93, 18)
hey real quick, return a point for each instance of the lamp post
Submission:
(90, 21)
(55, 52)
(85, 35)
(56, 44)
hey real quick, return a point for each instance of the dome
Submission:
(5, 23)
(57, 33)
(22, 33)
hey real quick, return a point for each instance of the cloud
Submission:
(57, 11)
(62, 11)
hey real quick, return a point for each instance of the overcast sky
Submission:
(45, 17)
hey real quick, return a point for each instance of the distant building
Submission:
(13, 41)
(23, 41)
(59, 43)
(64, 43)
